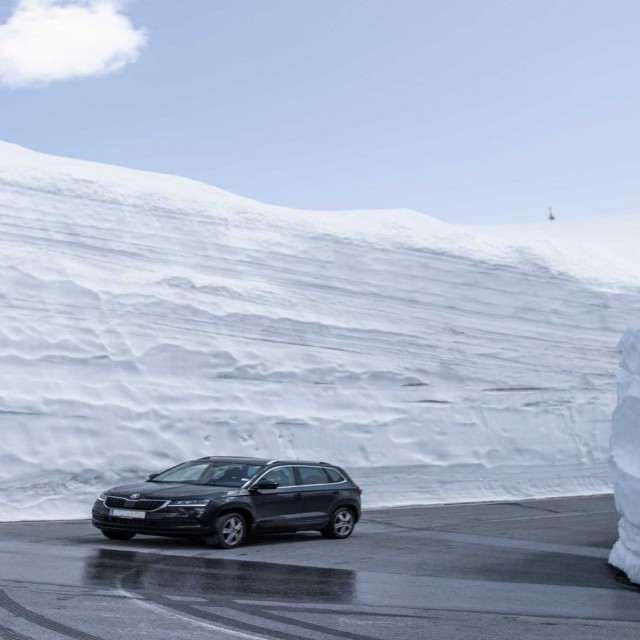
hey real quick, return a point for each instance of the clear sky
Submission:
(468, 110)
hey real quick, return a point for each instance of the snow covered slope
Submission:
(625, 446)
(146, 319)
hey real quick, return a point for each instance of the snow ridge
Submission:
(148, 319)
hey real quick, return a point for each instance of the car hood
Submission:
(167, 491)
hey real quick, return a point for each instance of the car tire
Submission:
(341, 524)
(231, 530)
(118, 535)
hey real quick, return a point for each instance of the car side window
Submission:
(282, 475)
(334, 475)
(312, 475)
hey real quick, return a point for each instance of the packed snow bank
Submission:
(625, 449)
(148, 319)
(592, 248)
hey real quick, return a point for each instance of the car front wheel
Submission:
(341, 524)
(231, 530)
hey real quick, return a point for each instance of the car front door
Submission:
(277, 508)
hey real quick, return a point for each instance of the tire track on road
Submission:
(10, 605)
(10, 634)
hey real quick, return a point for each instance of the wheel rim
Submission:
(343, 522)
(232, 531)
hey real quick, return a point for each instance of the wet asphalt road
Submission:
(528, 570)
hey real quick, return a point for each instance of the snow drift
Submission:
(625, 449)
(147, 319)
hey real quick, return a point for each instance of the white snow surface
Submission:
(625, 450)
(148, 319)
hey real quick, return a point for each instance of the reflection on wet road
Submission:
(535, 570)
(171, 582)
(215, 578)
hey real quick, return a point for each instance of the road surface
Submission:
(525, 570)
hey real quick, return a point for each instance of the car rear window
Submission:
(334, 475)
(312, 475)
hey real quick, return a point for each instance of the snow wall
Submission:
(625, 451)
(148, 319)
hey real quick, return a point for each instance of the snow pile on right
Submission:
(625, 449)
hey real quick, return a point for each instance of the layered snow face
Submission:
(625, 449)
(149, 319)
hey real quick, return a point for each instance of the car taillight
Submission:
(359, 490)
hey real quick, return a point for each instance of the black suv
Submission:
(221, 500)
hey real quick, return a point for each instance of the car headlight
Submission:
(101, 497)
(189, 503)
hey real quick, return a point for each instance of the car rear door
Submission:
(317, 494)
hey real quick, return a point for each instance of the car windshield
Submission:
(212, 473)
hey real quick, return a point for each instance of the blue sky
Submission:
(468, 110)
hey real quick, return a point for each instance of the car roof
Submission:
(262, 461)
(238, 459)
(313, 462)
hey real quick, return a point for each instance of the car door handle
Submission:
(297, 495)
(336, 493)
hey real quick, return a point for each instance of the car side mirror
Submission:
(265, 484)
(152, 476)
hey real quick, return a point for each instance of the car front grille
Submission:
(138, 505)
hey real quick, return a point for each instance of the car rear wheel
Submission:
(118, 535)
(341, 524)
(231, 530)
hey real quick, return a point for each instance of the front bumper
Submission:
(169, 521)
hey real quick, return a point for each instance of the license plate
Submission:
(128, 513)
